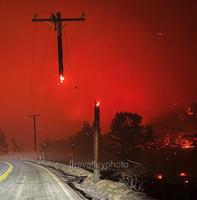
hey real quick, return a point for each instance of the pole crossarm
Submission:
(54, 19)
(62, 19)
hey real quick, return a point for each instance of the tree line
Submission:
(4, 147)
(127, 134)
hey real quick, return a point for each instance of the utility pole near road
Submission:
(35, 133)
(96, 141)
(57, 20)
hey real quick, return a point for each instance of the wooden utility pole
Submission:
(96, 141)
(57, 20)
(35, 133)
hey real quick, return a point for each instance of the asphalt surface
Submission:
(3, 168)
(28, 181)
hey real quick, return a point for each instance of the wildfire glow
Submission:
(183, 174)
(186, 147)
(190, 112)
(61, 78)
(159, 176)
(186, 144)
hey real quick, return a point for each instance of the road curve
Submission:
(29, 181)
(5, 169)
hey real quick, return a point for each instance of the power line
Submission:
(32, 69)
(43, 66)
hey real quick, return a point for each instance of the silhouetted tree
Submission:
(55, 150)
(81, 144)
(3, 143)
(149, 135)
(126, 130)
(150, 140)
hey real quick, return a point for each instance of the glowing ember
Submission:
(159, 176)
(186, 147)
(190, 112)
(183, 174)
(186, 143)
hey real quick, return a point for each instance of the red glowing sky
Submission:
(131, 55)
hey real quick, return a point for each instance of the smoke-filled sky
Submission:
(135, 55)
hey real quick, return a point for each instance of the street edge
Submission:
(9, 170)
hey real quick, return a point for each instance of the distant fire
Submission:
(187, 114)
(183, 142)
(187, 147)
(186, 144)
(159, 176)
(184, 136)
(182, 174)
(190, 112)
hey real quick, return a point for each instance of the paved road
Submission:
(3, 168)
(29, 181)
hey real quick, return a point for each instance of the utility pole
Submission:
(35, 133)
(96, 141)
(57, 20)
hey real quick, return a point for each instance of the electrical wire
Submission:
(32, 70)
(43, 65)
